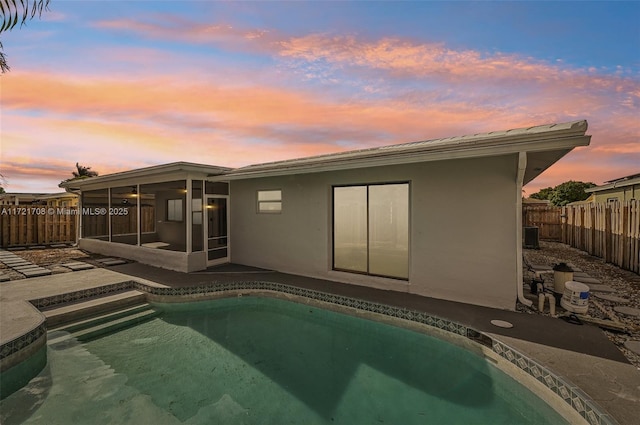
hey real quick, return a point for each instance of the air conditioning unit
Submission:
(531, 238)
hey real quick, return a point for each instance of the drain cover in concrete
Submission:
(632, 346)
(600, 288)
(502, 324)
(629, 311)
(586, 280)
(611, 298)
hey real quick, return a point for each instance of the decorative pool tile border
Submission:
(52, 301)
(20, 343)
(572, 395)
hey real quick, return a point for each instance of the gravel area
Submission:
(626, 285)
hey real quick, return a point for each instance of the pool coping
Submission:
(573, 396)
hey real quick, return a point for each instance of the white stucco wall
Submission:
(462, 236)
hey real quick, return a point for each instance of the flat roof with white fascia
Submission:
(557, 139)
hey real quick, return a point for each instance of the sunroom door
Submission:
(217, 230)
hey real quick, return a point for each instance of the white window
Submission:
(269, 201)
(174, 210)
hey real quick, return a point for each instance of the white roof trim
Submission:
(533, 139)
(185, 167)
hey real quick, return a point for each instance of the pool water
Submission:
(262, 361)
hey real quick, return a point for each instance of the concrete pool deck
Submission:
(582, 354)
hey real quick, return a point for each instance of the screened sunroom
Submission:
(170, 213)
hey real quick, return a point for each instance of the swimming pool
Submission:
(254, 360)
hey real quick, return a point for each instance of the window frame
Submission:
(333, 235)
(171, 210)
(260, 203)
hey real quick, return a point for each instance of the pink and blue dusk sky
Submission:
(117, 85)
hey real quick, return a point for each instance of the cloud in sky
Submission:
(230, 94)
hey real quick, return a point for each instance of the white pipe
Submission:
(552, 304)
(522, 167)
(541, 299)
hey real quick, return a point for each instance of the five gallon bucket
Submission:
(575, 297)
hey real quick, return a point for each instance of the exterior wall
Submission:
(172, 260)
(623, 193)
(463, 243)
(170, 231)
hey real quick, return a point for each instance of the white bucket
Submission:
(575, 297)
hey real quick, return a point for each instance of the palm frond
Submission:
(14, 11)
(4, 66)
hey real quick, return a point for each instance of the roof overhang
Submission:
(544, 146)
(153, 174)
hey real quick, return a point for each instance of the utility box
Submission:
(531, 237)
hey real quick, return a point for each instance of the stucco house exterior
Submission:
(439, 218)
(617, 190)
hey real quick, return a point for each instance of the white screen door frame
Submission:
(216, 229)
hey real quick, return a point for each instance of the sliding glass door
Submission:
(371, 229)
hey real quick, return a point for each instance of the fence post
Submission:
(607, 234)
(625, 241)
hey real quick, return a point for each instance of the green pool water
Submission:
(268, 361)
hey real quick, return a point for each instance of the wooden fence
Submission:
(26, 225)
(546, 218)
(23, 226)
(610, 231)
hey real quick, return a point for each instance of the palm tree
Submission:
(3, 183)
(14, 11)
(82, 172)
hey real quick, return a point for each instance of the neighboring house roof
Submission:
(536, 201)
(590, 199)
(619, 179)
(616, 183)
(544, 145)
(38, 196)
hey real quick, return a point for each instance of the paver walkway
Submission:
(19, 264)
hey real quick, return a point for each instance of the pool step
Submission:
(114, 325)
(77, 311)
(93, 327)
(104, 318)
